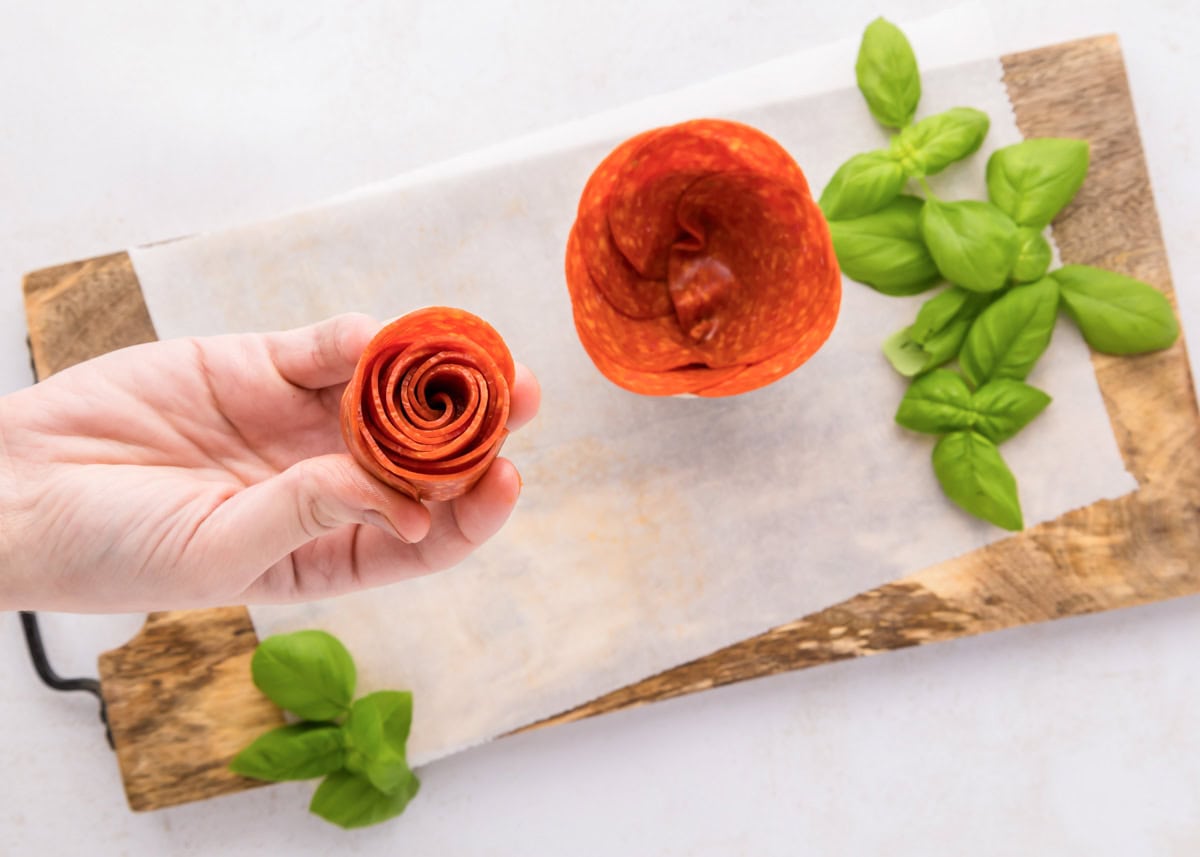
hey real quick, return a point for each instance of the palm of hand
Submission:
(207, 471)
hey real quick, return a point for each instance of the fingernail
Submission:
(375, 519)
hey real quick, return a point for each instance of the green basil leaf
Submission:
(907, 356)
(884, 250)
(945, 344)
(1033, 255)
(1010, 335)
(937, 141)
(1117, 314)
(349, 800)
(1033, 180)
(863, 184)
(973, 474)
(938, 311)
(945, 308)
(911, 358)
(936, 403)
(298, 751)
(887, 74)
(974, 244)
(937, 333)
(376, 734)
(1003, 407)
(307, 672)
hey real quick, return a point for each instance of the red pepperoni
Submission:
(426, 409)
(699, 262)
(624, 288)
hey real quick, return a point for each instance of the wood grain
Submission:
(82, 309)
(182, 703)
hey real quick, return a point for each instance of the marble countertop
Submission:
(132, 122)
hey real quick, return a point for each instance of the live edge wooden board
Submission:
(179, 695)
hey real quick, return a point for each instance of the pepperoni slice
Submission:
(699, 262)
(623, 287)
(426, 408)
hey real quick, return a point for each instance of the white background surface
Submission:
(126, 123)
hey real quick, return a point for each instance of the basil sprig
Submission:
(966, 460)
(867, 182)
(359, 747)
(941, 402)
(887, 74)
(936, 142)
(998, 315)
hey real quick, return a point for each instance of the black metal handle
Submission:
(37, 652)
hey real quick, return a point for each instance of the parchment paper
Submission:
(650, 531)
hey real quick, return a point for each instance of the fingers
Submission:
(324, 355)
(321, 354)
(480, 513)
(526, 398)
(264, 523)
(371, 556)
(459, 526)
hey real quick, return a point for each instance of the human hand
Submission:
(206, 471)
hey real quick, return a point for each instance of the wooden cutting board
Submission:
(179, 695)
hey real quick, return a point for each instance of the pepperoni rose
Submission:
(425, 411)
(699, 263)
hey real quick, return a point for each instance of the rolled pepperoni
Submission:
(426, 409)
(699, 262)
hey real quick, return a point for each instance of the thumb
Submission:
(261, 524)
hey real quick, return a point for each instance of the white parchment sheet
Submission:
(650, 531)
